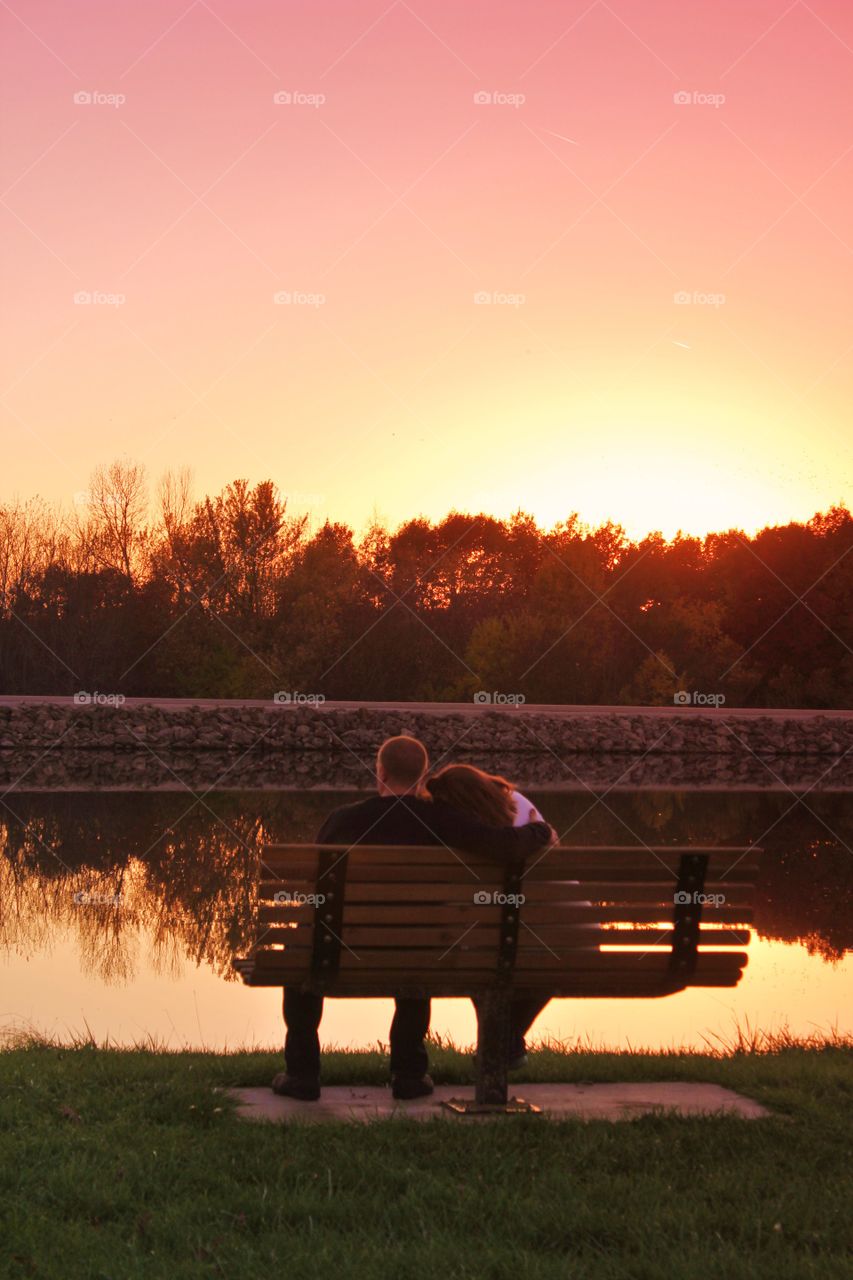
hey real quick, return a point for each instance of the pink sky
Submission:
(385, 200)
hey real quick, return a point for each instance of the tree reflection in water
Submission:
(168, 871)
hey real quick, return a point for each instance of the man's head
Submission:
(401, 765)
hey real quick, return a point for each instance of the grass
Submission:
(124, 1164)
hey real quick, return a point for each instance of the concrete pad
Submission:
(560, 1101)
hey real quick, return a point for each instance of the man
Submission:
(399, 814)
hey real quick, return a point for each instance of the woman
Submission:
(495, 801)
(485, 795)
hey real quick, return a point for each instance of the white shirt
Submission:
(525, 811)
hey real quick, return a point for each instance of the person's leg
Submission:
(408, 1032)
(524, 1010)
(302, 1013)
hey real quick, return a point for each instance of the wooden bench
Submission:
(383, 921)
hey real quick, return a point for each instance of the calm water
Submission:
(121, 912)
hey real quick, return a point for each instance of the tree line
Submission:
(233, 595)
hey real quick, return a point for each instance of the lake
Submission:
(121, 912)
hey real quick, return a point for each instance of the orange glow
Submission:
(589, 261)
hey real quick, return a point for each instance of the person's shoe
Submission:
(303, 1088)
(405, 1088)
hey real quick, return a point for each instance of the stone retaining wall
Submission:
(285, 728)
(255, 745)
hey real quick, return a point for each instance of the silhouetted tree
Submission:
(229, 596)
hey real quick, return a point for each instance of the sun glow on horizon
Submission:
(690, 495)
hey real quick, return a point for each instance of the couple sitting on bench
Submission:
(459, 807)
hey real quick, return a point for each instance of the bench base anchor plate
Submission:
(512, 1107)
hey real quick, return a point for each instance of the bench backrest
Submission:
(378, 920)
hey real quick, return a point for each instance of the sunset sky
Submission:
(626, 153)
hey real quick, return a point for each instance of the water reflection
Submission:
(163, 878)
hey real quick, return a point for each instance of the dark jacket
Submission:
(414, 820)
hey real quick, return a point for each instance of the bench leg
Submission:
(493, 1035)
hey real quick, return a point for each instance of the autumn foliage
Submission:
(235, 596)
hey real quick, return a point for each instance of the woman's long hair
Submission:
(484, 795)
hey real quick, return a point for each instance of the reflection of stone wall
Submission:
(57, 745)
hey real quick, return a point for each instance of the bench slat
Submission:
(451, 872)
(553, 892)
(434, 958)
(645, 869)
(486, 949)
(542, 921)
(559, 939)
(616, 913)
(562, 859)
(560, 936)
(401, 853)
(608, 969)
(438, 914)
(565, 891)
(432, 913)
(462, 985)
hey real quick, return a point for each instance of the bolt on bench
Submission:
(361, 920)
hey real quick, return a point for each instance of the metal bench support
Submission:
(493, 1042)
(687, 913)
(494, 1025)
